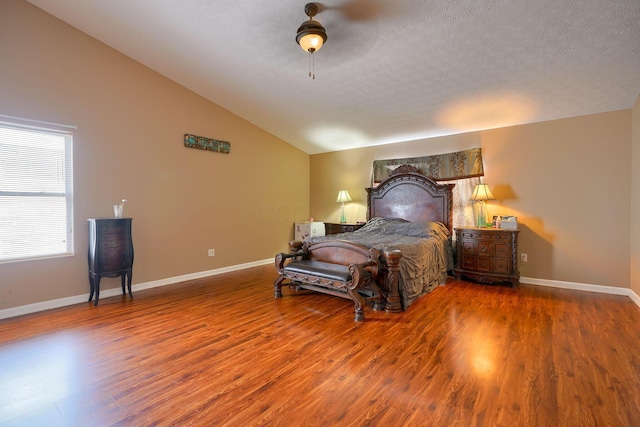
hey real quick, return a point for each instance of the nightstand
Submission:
(335, 228)
(487, 255)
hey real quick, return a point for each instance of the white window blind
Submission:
(36, 192)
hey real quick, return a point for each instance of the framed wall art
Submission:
(210, 144)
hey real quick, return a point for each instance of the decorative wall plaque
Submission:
(203, 143)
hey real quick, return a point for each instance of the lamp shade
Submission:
(343, 196)
(481, 192)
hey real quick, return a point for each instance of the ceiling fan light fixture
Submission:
(311, 34)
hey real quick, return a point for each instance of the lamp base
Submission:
(481, 214)
(343, 217)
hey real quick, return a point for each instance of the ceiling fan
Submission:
(311, 35)
(359, 10)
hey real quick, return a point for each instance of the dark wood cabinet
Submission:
(337, 227)
(110, 253)
(487, 255)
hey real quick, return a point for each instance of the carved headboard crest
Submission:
(405, 169)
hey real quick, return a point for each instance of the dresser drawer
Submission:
(484, 265)
(485, 249)
(468, 262)
(502, 250)
(113, 241)
(119, 230)
(502, 266)
(114, 260)
(469, 247)
(496, 236)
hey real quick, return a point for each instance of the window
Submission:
(36, 192)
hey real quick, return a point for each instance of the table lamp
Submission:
(480, 194)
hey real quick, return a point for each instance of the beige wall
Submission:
(129, 144)
(635, 199)
(568, 181)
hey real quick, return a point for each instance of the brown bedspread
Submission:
(425, 246)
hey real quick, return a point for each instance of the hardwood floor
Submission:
(223, 351)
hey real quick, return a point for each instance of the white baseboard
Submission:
(78, 299)
(634, 297)
(583, 287)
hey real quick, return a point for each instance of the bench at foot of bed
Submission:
(334, 267)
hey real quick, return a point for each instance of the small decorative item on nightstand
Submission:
(487, 255)
(119, 209)
(509, 222)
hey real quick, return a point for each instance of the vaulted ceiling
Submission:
(390, 71)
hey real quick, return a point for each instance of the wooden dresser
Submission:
(337, 227)
(487, 255)
(110, 252)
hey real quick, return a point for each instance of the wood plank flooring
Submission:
(224, 352)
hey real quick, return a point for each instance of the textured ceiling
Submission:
(390, 71)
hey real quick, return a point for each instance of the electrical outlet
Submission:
(212, 252)
(523, 257)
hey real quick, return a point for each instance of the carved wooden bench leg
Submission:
(379, 305)
(379, 301)
(277, 287)
(358, 276)
(359, 303)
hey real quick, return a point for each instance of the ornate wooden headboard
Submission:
(409, 195)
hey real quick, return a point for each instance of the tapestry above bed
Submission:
(440, 167)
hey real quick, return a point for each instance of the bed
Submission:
(409, 219)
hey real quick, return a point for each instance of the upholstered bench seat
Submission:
(324, 270)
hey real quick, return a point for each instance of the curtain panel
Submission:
(441, 167)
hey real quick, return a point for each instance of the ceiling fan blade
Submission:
(359, 10)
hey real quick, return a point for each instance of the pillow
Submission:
(413, 229)
(378, 225)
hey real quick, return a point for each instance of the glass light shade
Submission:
(343, 196)
(481, 192)
(311, 42)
